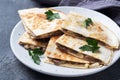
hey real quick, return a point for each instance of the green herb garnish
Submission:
(51, 16)
(92, 45)
(35, 53)
(92, 42)
(87, 22)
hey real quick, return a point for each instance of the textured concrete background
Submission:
(11, 68)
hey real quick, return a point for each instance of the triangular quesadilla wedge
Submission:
(29, 43)
(57, 57)
(42, 23)
(72, 46)
(78, 25)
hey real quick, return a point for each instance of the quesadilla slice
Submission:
(42, 23)
(77, 25)
(60, 58)
(30, 43)
(73, 46)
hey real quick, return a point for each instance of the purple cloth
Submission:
(111, 8)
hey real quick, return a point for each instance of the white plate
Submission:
(23, 56)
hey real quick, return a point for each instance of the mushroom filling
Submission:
(59, 62)
(28, 46)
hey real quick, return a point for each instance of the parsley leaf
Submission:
(86, 48)
(35, 53)
(92, 45)
(92, 42)
(87, 22)
(51, 16)
(36, 59)
(95, 48)
(30, 52)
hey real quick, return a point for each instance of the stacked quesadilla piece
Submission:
(36, 23)
(29, 43)
(69, 40)
(57, 57)
(61, 57)
(77, 25)
(73, 45)
(38, 28)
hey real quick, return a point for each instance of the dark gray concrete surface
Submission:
(11, 68)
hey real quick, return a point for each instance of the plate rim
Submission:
(50, 73)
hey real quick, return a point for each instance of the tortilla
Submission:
(60, 58)
(74, 26)
(72, 45)
(37, 25)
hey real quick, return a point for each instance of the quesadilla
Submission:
(42, 23)
(72, 46)
(77, 25)
(30, 43)
(60, 58)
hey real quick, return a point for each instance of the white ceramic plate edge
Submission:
(50, 73)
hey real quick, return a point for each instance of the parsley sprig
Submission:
(87, 22)
(35, 53)
(51, 16)
(92, 45)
